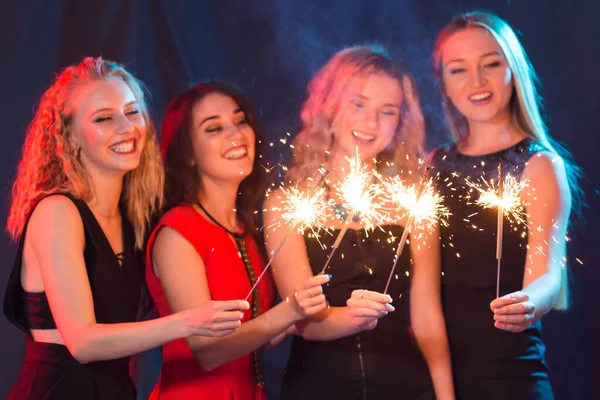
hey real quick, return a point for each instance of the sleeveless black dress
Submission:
(487, 363)
(384, 363)
(50, 371)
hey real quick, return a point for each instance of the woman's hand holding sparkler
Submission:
(366, 307)
(513, 312)
(308, 297)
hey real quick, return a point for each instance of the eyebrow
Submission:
(491, 53)
(363, 97)
(110, 109)
(213, 117)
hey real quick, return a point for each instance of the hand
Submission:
(366, 307)
(216, 318)
(513, 312)
(308, 297)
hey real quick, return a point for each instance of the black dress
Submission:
(50, 371)
(487, 363)
(380, 364)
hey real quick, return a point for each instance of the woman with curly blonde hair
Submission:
(361, 102)
(89, 179)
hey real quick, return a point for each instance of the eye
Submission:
(492, 64)
(214, 129)
(390, 112)
(242, 121)
(133, 112)
(103, 118)
(454, 71)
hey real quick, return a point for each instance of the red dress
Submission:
(181, 376)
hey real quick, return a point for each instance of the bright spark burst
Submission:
(510, 200)
(360, 196)
(421, 202)
(303, 210)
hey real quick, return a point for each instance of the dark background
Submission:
(271, 48)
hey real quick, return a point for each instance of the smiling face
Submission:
(108, 126)
(368, 116)
(476, 75)
(222, 139)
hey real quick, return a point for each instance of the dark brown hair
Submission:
(181, 180)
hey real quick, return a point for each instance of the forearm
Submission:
(211, 353)
(543, 292)
(99, 342)
(431, 337)
(330, 324)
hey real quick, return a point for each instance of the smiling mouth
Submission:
(365, 137)
(479, 97)
(236, 152)
(124, 147)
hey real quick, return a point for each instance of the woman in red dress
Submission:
(208, 246)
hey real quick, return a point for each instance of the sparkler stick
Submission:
(407, 228)
(500, 229)
(337, 242)
(359, 195)
(266, 267)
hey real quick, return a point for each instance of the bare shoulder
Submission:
(545, 165)
(58, 216)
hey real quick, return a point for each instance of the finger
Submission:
(312, 301)
(313, 281)
(509, 327)
(514, 318)
(231, 305)
(363, 303)
(315, 309)
(223, 333)
(511, 298)
(370, 326)
(226, 325)
(314, 290)
(366, 312)
(225, 316)
(302, 295)
(369, 295)
(519, 308)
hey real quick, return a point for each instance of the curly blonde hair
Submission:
(49, 162)
(325, 93)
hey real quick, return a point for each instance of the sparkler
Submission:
(505, 196)
(359, 196)
(423, 209)
(274, 253)
(301, 211)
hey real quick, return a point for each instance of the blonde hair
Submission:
(325, 92)
(525, 106)
(50, 163)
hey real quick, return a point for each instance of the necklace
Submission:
(242, 246)
(339, 210)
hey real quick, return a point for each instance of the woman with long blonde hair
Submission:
(361, 102)
(492, 103)
(89, 179)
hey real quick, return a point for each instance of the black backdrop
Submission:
(271, 48)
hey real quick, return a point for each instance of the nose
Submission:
(234, 132)
(478, 77)
(123, 125)
(371, 118)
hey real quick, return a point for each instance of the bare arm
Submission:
(292, 266)
(547, 217)
(56, 235)
(427, 318)
(183, 276)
